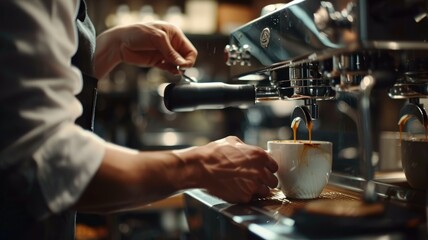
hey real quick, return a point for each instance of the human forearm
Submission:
(107, 54)
(227, 168)
(129, 179)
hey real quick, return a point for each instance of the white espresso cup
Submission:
(304, 167)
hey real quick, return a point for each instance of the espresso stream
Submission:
(401, 124)
(295, 125)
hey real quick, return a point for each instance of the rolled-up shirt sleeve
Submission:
(38, 106)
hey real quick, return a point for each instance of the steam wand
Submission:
(363, 122)
(367, 84)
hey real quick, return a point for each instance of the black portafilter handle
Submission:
(213, 95)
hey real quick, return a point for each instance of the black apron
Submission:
(17, 194)
(83, 60)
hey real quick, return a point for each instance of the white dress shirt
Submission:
(38, 106)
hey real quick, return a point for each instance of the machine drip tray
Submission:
(395, 178)
(401, 215)
(389, 185)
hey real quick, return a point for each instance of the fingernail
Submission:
(273, 167)
(181, 61)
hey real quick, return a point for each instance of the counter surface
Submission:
(277, 217)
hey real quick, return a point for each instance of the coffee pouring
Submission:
(313, 52)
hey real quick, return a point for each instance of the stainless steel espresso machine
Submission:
(315, 51)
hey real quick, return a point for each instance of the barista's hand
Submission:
(157, 44)
(227, 168)
(231, 169)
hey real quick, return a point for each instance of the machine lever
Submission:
(212, 95)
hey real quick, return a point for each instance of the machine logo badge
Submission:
(265, 37)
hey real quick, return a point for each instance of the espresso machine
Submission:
(316, 51)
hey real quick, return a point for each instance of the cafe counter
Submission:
(399, 213)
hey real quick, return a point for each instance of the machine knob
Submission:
(231, 55)
(245, 55)
(327, 17)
